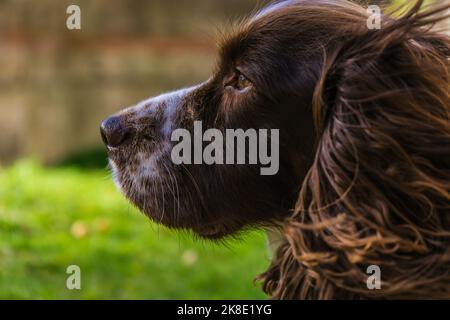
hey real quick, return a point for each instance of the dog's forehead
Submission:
(277, 5)
(251, 29)
(280, 5)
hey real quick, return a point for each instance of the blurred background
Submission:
(57, 84)
(58, 206)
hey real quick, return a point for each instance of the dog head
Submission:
(264, 80)
(359, 120)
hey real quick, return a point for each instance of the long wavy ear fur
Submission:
(378, 192)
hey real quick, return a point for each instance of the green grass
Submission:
(51, 218)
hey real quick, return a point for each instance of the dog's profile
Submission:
(364, 149)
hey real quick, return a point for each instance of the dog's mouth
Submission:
(210, 231)
(157, 197)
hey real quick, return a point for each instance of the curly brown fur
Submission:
(378, 191)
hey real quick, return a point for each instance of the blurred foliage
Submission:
(53, 218)
(94, 158)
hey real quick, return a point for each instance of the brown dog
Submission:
(364, 149)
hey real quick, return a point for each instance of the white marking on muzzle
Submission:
(172, 103)
(115, 172)
(148, 167)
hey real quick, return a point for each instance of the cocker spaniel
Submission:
(351, 123)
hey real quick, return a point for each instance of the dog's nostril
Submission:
(114, 132)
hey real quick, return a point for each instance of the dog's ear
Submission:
(378, 191)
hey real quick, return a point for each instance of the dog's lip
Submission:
(112, 149)
(209, 231)
(124, 145)
(115, 150)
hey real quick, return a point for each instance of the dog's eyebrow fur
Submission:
(257, 39)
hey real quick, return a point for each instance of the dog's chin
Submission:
(212, 232)
(167, 216)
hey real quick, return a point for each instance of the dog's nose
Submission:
(114, 131)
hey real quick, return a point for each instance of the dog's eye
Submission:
(239, 82)
(242, 82)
